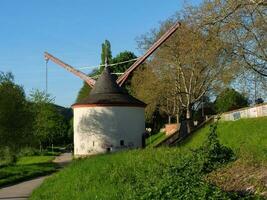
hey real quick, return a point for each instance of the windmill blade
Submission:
(151, 50)
(71, 69)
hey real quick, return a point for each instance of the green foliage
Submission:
(49, 126)
(213, 153)
(121, 57)
(15, 116)
(162, 173)
(229, 99)
(84, 92)
(155, 139)
(106, 53)
(246, 137)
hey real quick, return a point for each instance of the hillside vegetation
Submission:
(162, 173)
(246, 137)
(155, 139)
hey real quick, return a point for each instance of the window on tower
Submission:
(122, 142)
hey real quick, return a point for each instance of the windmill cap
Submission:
(107, 92)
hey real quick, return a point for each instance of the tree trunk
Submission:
(188, 113)
(169, 119)
(189, 118)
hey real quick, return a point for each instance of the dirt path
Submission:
(23, 190)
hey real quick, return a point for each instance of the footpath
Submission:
(22, 191)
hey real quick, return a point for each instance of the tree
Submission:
(106, 54)
(190, 64)
(122, 57)
(15, 117)
(49, 126)
(230, 99)
(243, 23)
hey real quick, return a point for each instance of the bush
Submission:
(212, 153)
(28, 151)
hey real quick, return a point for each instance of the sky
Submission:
(72, 30)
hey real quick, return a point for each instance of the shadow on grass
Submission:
(13, 174)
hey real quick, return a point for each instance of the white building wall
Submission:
(98, 128)
(249, 112)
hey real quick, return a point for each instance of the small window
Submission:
(122, 142)
(93, 143)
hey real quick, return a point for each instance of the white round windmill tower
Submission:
(109, 119)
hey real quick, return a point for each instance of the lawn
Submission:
(26, 168)
(153, 173)
(170, 173)
(247, 138)
(155, 139)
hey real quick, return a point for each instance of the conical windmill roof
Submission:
(106, 92)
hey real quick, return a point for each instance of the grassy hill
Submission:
(155, 139)
(169, 173)
(247, 137)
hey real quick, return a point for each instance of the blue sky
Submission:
(72, 30)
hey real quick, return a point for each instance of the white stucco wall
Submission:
(98, 128)
(249, 112)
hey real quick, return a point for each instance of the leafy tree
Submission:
(15, 117)
(229, 99)
(186, 70)
(49, 126)
(242, 23)
(121, 57)
(106, 53)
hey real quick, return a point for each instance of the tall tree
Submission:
(15, 116)
(49, 126)
(190, 64)
(106, 54)
(243, 23)
(121, 58)
(229, 99)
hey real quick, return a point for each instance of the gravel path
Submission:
(22, 191)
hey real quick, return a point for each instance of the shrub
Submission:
(213, 153)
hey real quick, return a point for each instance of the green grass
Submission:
(26, 168)
(155, 139)
(162, 173)
(246, 137)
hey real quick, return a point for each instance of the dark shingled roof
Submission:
(107, 92)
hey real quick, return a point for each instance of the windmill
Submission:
(109, 119)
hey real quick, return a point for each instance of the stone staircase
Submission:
(182, 133)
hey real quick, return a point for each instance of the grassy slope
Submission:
(26, 168)
(247, 137)
(162, 173)
(155, 139)
(157, 173)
